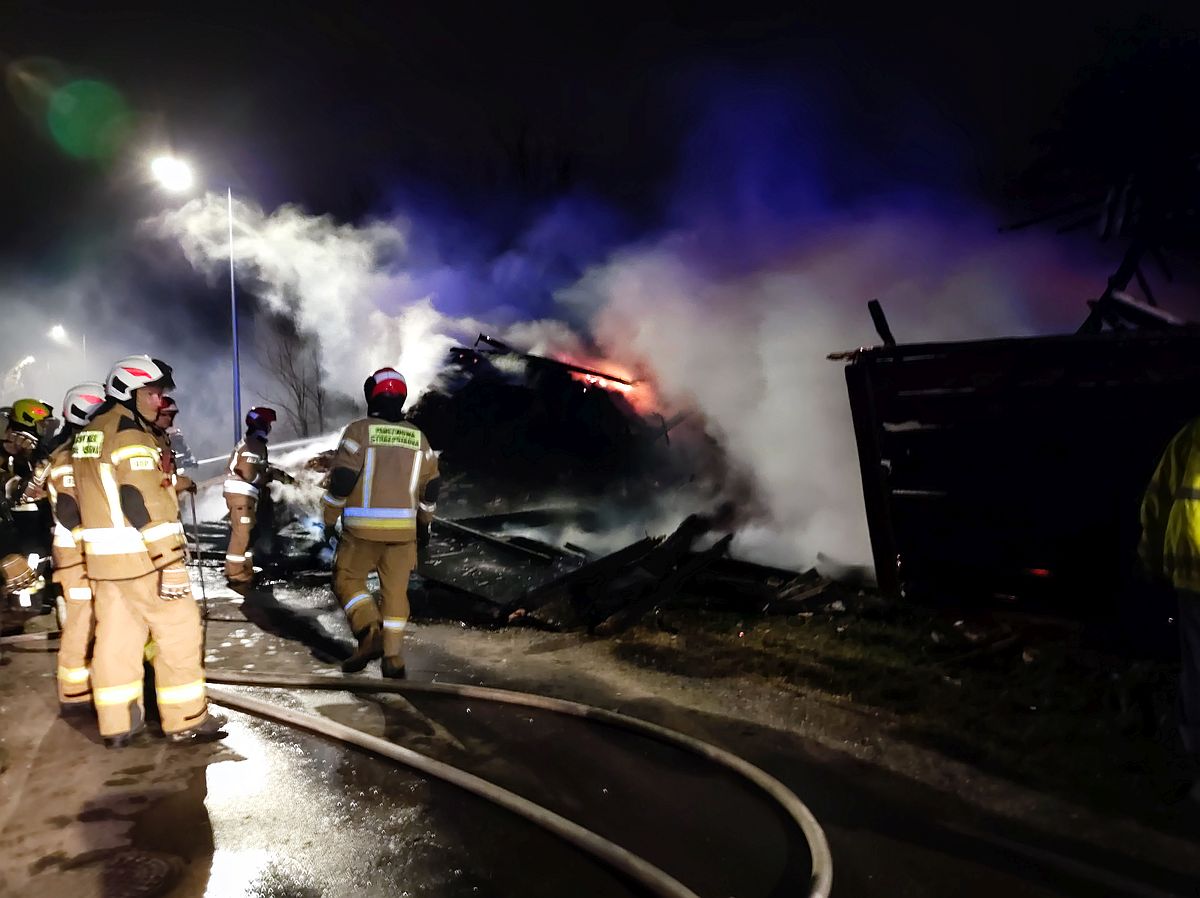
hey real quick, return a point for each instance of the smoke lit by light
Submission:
(12, 379)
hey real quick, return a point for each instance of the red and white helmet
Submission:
(81, 402)
(385, 382)
(260, 418)
(134, 372)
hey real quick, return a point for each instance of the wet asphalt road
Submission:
(270, 812)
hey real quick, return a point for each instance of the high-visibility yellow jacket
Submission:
(128, 510)
(383, 480)
(1170, 543)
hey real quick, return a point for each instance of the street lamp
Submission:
(174, 174)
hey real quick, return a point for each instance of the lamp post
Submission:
(175, 175)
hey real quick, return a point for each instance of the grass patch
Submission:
(1041, 709)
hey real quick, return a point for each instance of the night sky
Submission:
(346, 107)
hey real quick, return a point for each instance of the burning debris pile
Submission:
(611, 594)
(546, 462)
(516, 421)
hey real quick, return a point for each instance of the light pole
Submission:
(175, 175)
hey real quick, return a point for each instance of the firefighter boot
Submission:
(137, 726)
(370, 647)
(393, 666)
(207, 730)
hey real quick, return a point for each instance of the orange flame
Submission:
(638, 393)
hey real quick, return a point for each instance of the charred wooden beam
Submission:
(522, 548)
(664, 590)
(600, 569)
(881, 323)
(541, 359)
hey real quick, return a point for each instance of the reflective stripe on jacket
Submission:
(1170, 542)
(379, 479)
(129, 517)
(60, 482)
(247, 468)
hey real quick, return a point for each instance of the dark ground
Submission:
(843, 716)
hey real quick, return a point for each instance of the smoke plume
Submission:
(761, 265)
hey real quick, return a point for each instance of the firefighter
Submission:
(164, 431)
(16, 576)
(248, 474)
(383, 484)
(1170, 549)
(70, 571)
(134, 548)
(181, 453)
(25, 498)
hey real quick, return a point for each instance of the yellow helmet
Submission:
(29, 412)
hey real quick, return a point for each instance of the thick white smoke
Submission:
(73, 331)
(748, 349)
(335, 280)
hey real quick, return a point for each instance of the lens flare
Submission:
(31, 83)
(89, 119)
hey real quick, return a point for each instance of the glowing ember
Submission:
(638, 393)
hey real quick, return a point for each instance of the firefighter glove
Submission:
(18, 575)
(329, 544)
(174, 583)
(32, 492)
(24, 439)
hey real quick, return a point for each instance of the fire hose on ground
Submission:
(658, 882)
(637, 869)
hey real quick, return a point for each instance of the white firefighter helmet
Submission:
(81, 402)
(134, 372)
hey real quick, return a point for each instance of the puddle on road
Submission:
(281, 814)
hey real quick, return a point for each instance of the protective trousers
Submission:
(1189, 670)
(75, 645)
(239, 557)
(126, 612)
(394, 562)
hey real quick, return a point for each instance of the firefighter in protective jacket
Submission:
(383, 484)
(248, 475)
(26, 510)
(134, 548)
(70, 571)
(164, 424)
(1170, 549)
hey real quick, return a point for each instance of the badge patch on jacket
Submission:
(142, 464)
(87, 444)
(390, 435)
